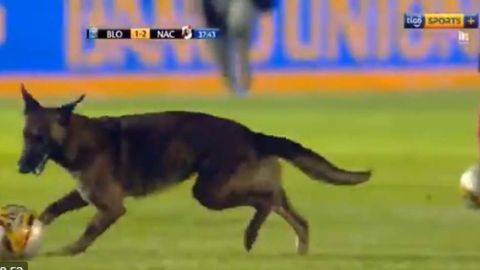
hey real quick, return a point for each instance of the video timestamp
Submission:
(13, 265)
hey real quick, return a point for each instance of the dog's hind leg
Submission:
(296, 221)
(262, 203)
(262, 210)
(254, 183)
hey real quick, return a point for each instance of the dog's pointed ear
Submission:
(31, 104)
(65, 111)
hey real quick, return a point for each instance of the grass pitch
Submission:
(409, 216)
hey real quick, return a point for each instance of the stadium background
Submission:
(342, 77)
(322, 42)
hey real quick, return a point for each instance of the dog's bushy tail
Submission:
(309, 162)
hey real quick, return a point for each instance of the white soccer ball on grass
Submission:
(470, 186)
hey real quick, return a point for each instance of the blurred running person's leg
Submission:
(235, 19)
(240, 22)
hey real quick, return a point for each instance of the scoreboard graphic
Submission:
(186, 32)
(440, 21)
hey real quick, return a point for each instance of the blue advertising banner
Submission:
(49, 36)
(301, 36)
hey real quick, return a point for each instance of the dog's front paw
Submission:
(46, 218)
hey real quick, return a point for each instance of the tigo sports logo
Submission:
(441, 21)
(444, 20)
(413, 21)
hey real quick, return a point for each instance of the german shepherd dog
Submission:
(135, 155)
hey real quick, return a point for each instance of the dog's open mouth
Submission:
(41, 165)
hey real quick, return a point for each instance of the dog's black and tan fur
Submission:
(114, 157)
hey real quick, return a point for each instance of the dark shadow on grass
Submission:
(375, 257)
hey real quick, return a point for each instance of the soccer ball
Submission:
(470, 186)
(20, 233)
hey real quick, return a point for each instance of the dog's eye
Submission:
(34, 137)
(38, 138)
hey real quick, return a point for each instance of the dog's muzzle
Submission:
(37, 169)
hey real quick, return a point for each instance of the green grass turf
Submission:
(409, 216)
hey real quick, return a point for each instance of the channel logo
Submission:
(463, 37)
(413, 21)
(443, 20)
